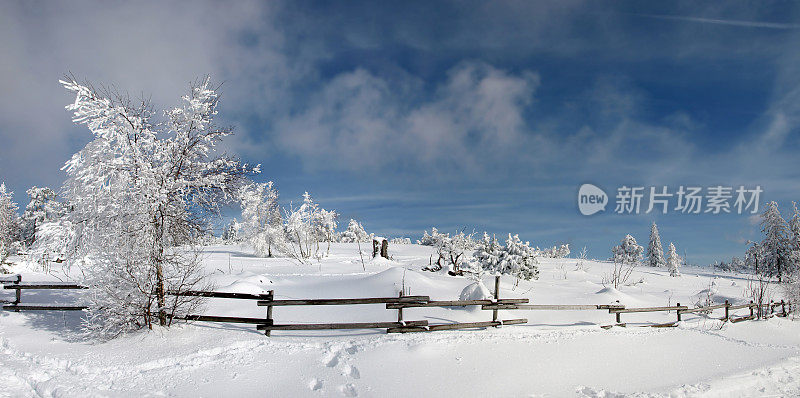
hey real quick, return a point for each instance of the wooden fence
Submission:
(399, 303)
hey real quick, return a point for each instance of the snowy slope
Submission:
(562, 353)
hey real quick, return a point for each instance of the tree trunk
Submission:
(162, 315)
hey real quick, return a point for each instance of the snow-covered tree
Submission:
(262, 220)
(515, 258)
(300, 229)
(776, 248)
(354, 233)
(655, 252)
(8, 222)
(325, 224)
(230, 234)
(736, 264)
(434, 239)
(518, 259)
(555, 251)
(673, 261)
(627, 252)
(141, 194)
(43, 207)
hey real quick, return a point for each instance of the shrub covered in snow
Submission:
(515, 258)
(627, 252)
(354, 233)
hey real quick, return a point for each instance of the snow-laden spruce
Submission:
(515, 258)
(673, 261)
(8, 222)
(142, 193)
(773, 257)
(655, 252)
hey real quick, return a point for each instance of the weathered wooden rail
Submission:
(399, 303)
(17, 285)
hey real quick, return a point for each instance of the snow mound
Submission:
(475, 291)
(382, 261)
(396, 276)
(611, 294)
(243, 287)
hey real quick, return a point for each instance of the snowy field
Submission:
(558, 353)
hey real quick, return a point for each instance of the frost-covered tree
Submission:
(736, 264)
(776, 248)
(42, 208)
(354, 233)
(655, 252)
(325, 224)
(8, 222)
(518, 259)
(673, 261)
(555, 251)
(627, 252)
(230, 234)
(300, 228)
(142, 193)
(515, 258)
(433, 239)
(262, 220)
(626, 257)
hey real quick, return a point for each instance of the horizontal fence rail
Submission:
(399, 303)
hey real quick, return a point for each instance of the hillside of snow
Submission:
(557, 353)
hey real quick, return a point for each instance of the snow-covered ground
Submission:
(558, 353)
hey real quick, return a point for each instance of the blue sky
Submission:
(461, 114)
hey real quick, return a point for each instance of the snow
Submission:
(557, 353)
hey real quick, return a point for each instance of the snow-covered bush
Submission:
(308, 225)
(452, 252)
(627, 252)
(626, 256)
(514, 258)
(555, 251)
(141, 194)
(433, 239)
(673, 261)
(325, 224)
(354, 233)
(262, 224)
(400, 241)
(655, 252)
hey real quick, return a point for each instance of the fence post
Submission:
(496, 296)
(678, 311)
(400, 310)
(783, 308)
(19, 291)
(270, 322)
(771, 307)
(727, 310)
(751, 308)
